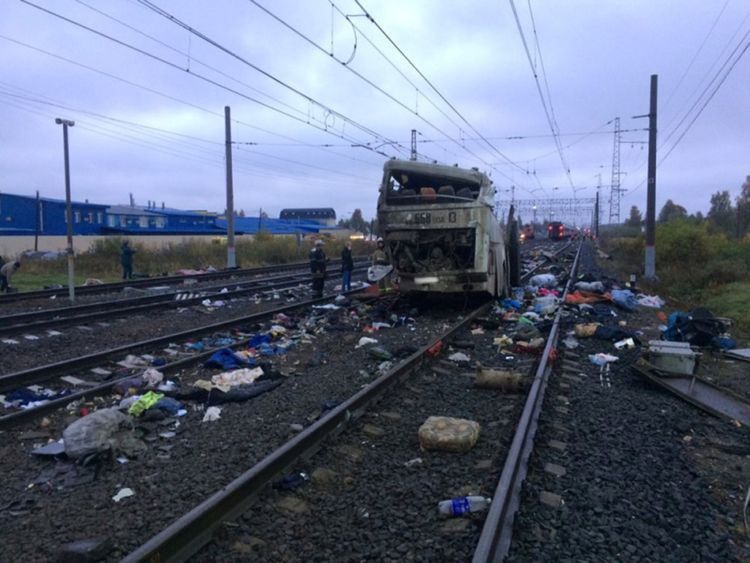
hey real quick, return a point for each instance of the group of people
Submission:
(318, 262)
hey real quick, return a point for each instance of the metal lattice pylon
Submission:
(615, 191)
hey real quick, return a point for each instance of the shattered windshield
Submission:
(417, 189)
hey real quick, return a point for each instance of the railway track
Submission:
(117, 287)
(21, 323)
(354, 459)
(94, 370)
(24, 424)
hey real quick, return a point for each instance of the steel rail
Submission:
(21, 415)
(158, 280)
(494, 541)
(186, 535)
(107, 309)
(66, 367)
(50, 371)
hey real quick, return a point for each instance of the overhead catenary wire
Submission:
(310, 99)
(181, 101)
(434, 88)
(323, 127)
(726, 68)
(547, 114)
(696, 54)
(717, 77)
(189, 56)
(708, 100)
(188, 150)
(167, 15)
(346, 63)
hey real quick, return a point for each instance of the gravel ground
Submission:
(374, 492)
(648, 477)
(193, 283)
(78, 340)
(174, 474)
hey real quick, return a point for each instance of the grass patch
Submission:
(732, 300)
(103, 260)
(28, 281)
(695, 266)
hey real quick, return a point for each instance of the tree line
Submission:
(730, 218)
(358, 223)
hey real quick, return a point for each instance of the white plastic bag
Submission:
(377, 273)
(543, 280)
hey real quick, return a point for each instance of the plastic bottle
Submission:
(463, 505)
(291, 482)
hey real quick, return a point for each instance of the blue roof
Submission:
(170, 230)
(53, 200)
(249, 225)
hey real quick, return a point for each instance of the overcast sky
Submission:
(148, 100)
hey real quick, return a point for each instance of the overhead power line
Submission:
(322, 127)
(359, 75)
(547, 110)
(708, 99)
(171, 97)
(156, 9)
(434, 88)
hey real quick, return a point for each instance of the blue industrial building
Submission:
(254, 225)
(320, 215)
(27, 215)
(152, 220)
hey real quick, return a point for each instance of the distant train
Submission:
(527, 232)
(558, 231)
(440, 230)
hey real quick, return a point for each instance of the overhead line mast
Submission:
(615, 189)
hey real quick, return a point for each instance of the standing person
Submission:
(126, 259)
(380, 258)
(318, 268)
(6, 274)
(347, 265)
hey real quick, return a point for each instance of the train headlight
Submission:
(426, 280)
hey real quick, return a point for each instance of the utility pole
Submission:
(38, 221)
(68, 209)
(650, 269)
(231, 256)
(413, 144)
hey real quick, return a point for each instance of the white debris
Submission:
(123, 493)
(212, 414)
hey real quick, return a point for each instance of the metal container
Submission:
(676, 357)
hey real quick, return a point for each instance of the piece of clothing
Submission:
(346, 280)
